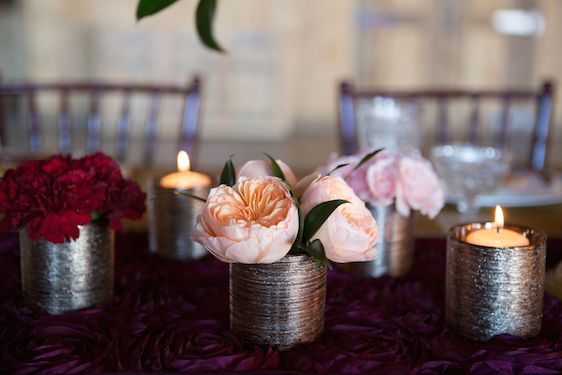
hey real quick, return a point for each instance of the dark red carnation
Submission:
(56, 165)
(104, 167)
(52, 197)
(125, 202)
(58, 227)
(80, 189)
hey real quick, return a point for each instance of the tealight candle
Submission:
(495, 235)
(494, 280)
(184, 178)
(171, 216)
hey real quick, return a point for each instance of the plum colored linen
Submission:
(173, 317)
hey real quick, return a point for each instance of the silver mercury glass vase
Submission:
(61, 277)
(395, 247)
(279, 304)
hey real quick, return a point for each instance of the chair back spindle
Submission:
(33, 125)
(93, 131)
(474, 125)
(347, 119)
(443, 120)
(65, 143)
(123, 125)
(543, 128)
(502, 137)
(152, 126)
(188, 138)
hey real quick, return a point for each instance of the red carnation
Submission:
(51, 198)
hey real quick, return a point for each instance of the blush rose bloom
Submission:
(382, 177)
(355, 180)
(351, 232)
(262, 168)
(255, 221)
(418, 188)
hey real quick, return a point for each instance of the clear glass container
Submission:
(469, 170)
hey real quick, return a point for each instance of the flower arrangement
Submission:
(262, 213)
(385, 177)
(51, 198)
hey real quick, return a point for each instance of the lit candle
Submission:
(495, 235)
(184, 178)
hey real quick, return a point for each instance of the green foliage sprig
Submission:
(204, 16)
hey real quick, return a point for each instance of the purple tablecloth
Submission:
(170, 316)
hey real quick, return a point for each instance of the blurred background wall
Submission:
(278, 80)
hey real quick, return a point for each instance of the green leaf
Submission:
(147, 8)
(276, 171)
(298, 241)
(318, 215)
(204, 16)
(316, 250)
(336, 168)
(275, 168)
(188, 194)
(365, 159)
(228, 175)
(96, 216)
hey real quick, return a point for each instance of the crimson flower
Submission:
(51, 198)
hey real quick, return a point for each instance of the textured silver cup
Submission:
(71, 275)
(279, 304)
(491, 291)
(395, 247)
(171, 218)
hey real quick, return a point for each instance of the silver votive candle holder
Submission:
(494, 290)
(171, 218)
(395, 246)
(279, 304)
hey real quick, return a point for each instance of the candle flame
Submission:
(183, 161)
(498, 220)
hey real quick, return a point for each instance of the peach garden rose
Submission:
(262, 168)
(254, 221)
(350, 233)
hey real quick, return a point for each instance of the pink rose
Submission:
(356, 180)
(382, 177)
(262, 168)
(305, 182)
(351, 232)
(418, 188)
(255, 221)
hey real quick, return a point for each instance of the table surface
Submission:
(171, 316)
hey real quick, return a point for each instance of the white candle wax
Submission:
(496, 236)
(184, 178)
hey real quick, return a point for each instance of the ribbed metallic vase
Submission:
(71, 275)
(491, 291)
(170, 220)
(395, 247)
(279, 304)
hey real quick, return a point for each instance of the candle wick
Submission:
(498, 229)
